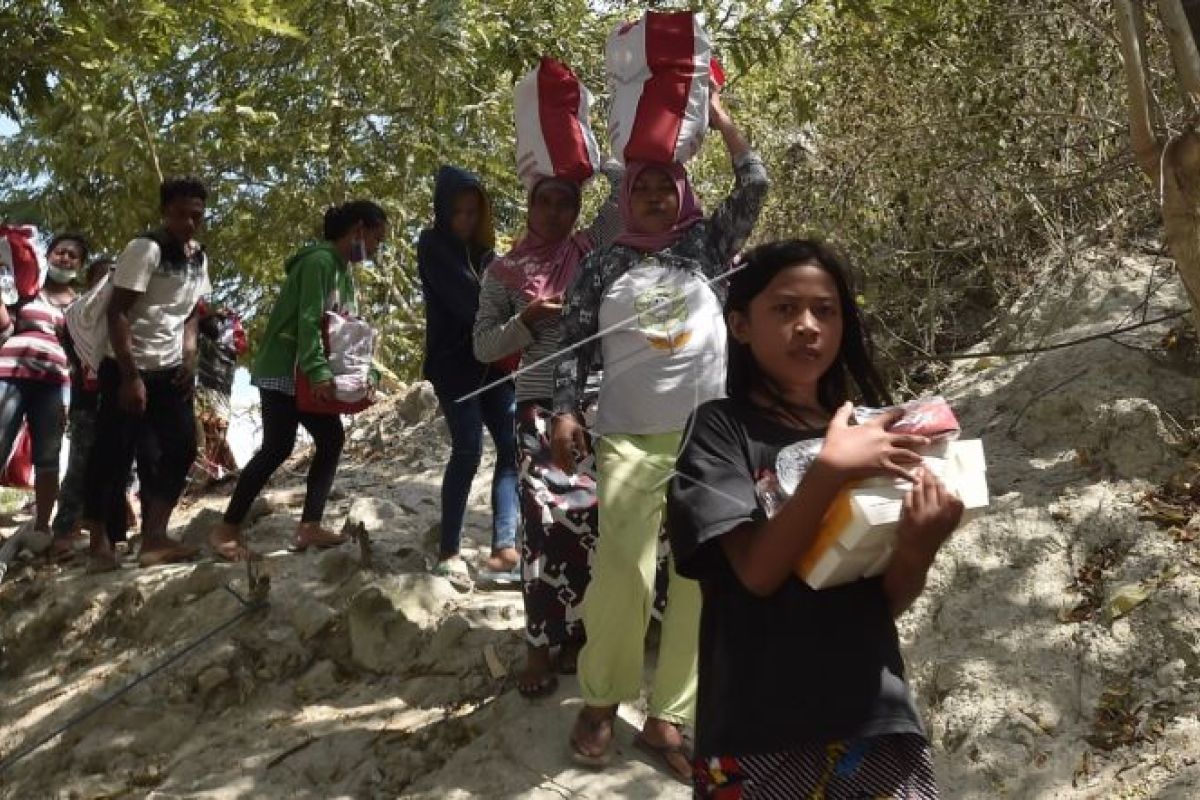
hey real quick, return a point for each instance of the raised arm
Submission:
(732, 223)
(606, 227)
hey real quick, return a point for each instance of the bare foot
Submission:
(311, 534)
(505, 560)
(226, 542)
(537, 679)
(592, 736)
(664, 740)
(101, 555)
(164, 550)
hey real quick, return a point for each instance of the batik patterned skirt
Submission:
(897, 767)
(560, 525)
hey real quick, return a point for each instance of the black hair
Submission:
(93, 269)
(77, 238)
(175, 188)
(758, 268)
(340, 219)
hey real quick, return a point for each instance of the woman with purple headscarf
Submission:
(649, 311)
(520, 304)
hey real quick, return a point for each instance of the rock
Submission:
(310, 616)
(336, 565)
(388, 619)
(448, 636)
(418, 404)
(320, 681)
(211, 678)
(373, 514)
(196, 532)
(260, 508)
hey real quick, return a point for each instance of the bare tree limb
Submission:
(1147, 148)
(1183, 46)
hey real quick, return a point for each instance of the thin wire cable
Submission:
(247, 609)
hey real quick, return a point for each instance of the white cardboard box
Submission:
(858, 534)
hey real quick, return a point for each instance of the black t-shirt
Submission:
(796, 668)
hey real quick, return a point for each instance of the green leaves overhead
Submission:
(923, 135)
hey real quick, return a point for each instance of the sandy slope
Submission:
(371, 679)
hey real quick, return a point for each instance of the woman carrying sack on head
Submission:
(520, 307)
(655, 295)
(319, 280)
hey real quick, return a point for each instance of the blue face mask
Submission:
(60, 275)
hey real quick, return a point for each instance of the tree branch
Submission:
(1183, 47)
(1147, 148)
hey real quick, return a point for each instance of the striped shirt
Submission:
(34, 351)
(499, 330)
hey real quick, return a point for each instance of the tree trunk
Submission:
(1183, 47)
(1132, 26)
(1181, 212)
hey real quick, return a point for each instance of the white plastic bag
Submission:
(351, 345)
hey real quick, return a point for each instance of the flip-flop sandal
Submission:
(457, 574)
(663, 753)
(598, 761)
(510, 577)
(546, 685)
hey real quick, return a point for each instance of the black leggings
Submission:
(280, 418)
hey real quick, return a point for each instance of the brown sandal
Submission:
(663, 753)
(591, 724)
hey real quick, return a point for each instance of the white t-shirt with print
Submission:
(665, 354)
(168, 298)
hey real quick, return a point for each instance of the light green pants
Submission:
(633, 474)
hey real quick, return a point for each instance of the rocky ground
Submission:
(1054, 654)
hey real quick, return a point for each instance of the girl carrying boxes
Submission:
(801, 692)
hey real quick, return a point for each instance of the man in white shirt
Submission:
(148, 375)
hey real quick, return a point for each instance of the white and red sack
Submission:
(349, 348)
(21, 262)
(554, 138)
(660, 70)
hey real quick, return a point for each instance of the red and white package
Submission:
(554, 138)
(926, 416)
(660, 70)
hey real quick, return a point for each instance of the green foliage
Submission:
(941, 142)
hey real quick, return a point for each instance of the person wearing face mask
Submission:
(34, 371)
(319, 279)
(451, 258)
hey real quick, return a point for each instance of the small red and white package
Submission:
(925, 416)
(660, 70)
(554, 137)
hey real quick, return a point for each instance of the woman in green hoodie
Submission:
(318, 280)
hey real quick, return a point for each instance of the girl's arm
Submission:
(606, 227)
(498, 331)
(763, 556)
(931, 514)
(311, 285)
(732, 223)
